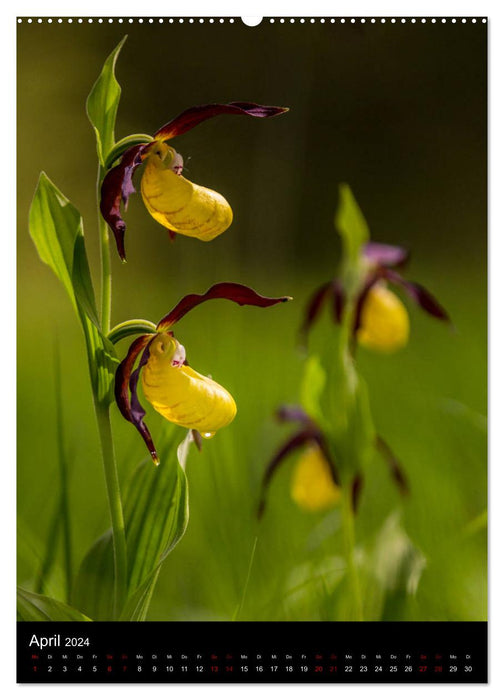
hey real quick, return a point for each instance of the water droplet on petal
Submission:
(207, 436)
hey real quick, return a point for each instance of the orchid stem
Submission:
(348, 527)
(104, 427)
(63, 467)
(106, 276)
(115, 507)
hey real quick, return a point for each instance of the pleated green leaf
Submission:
(32, 607)
(94, 587)
(156, 512)
(54, 225)
(137, 605)
(102, 104)
(57, 230)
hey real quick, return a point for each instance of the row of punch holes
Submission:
(251, 22)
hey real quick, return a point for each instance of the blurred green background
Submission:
(398, 112)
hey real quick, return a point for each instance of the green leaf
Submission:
(312, 386)
(121, 146)
(102, 104)
(81, 280)
(32, 607)
(94, 587)
(137, 605)
(102, 361)
(54, 225)
(56, 229)
(392, 568)
(156, 512)
(351, 224)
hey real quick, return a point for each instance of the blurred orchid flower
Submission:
(312, 485)
(176, 203)
(316, 482)
(381, 321)
(175, 390)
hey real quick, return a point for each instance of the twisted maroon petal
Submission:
(117, 187)
(338, 293)
(385, 255)
(357, 484)
(300, 439)
(420, 295)
(126, 381)
(369, 284)
(239, 293)
(193, 116)
(313, 309)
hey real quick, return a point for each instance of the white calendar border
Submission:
(258, 8)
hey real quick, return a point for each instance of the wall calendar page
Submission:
(252, 349)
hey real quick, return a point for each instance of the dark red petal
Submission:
(238, 293)
(117, 186)
(313, 309)
(193, 116)
(293, 443)
(370, 282)
(357, 484)
(385, 255)
(320, 440)
(396, 469)
(420, 295)
(126, 381)
(338, 300)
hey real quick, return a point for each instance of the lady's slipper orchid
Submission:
(175, 390)
(176, 203)
(316, 483)
(380, 320)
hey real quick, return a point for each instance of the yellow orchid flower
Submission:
(182, 395)
(312, 486)
(176, 203)
(175, 390)
(384, 324)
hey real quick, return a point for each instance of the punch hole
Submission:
(252, 21)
